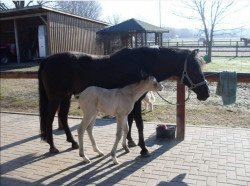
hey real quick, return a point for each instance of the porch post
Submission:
(180, 111)
(16, 41)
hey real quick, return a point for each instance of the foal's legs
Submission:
(131, 142)
(86, 121)
(125, 132)
(118, 137)
(63, 117)
(91, 137)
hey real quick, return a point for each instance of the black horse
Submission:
(245, 40)
(65, 74)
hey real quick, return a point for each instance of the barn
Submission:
(35, 32)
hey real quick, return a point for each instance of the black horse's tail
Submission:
(43, 102)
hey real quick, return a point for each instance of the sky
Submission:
(161, 13)
(148, 10)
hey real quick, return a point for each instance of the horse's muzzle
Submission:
(202, 92)
(203, 95)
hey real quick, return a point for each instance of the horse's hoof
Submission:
(126, 149)
(86, 160)
(115, 161)
(131, 144)
(53, 150)
(100, 155)
(75, 146)
(145, 153)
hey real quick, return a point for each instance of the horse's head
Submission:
(192, 76)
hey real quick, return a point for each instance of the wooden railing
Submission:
(180, 108)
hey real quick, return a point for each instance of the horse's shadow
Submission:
(176, 180)
(118, 172)
(99, 122)
(25, 160)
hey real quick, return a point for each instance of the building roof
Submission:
(132, 25)
(38, 9)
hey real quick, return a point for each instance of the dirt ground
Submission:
(23, 97)
(209, 112)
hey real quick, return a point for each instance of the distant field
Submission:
(238, 64)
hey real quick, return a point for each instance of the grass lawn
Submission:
(218, 64)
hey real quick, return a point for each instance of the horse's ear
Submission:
(194, 52)
(144, 74)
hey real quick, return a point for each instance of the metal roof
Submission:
(39, 9)
(132, 25)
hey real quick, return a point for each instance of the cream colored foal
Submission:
(116, 102)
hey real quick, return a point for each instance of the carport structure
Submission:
(39, 31)
(131, 33)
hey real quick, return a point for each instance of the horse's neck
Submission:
(135, 91)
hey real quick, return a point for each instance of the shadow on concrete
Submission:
(99, 122)
(25, 160)
(178, 180)
(12, 181)
(112, 173)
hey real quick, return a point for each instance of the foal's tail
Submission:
(43, 103)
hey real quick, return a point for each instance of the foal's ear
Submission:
(144, 74)
(194, 52)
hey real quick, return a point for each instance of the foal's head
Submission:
(152, 84)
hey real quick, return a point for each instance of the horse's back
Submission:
(57, 73)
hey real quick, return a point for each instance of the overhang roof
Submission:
(38, 9)
(132, 25)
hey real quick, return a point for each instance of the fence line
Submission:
(210, 76)
(180, 107)
(219, 49)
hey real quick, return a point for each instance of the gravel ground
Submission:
(209, 112)
(23, 97)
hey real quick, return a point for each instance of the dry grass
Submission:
(218, 64)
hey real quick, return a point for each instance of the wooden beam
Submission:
(210, 76)
(180, 111)
(22, 16)
(17, 42)
(214, 77)
(19, 74)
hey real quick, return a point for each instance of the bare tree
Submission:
(89, 9)
(21, 4)
(114, 19)
(3, 7)
(211, 13)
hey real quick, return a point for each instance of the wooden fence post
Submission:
(180, 111)
(237, 48)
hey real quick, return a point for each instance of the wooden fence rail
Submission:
(219, 49)
(180, 108)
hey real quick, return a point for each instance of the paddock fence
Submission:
(230, 48)
(180, 107)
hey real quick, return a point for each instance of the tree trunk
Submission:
(209, 51)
